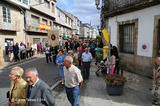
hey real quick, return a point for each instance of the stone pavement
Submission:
(93, 92)
(8, 64)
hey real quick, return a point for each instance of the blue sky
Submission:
(85, 10)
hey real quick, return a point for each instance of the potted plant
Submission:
(37, 28)
(115, 84)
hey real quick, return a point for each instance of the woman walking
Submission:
(60, 61)
(18, 89)
(48, 53)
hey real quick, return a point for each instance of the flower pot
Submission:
(114, 90)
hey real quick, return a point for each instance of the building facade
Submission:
(135, 30)
(39, 20)
(87, 31)
(63, 24)
(12, 28)
(76, 27)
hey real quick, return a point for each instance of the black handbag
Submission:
(7, 94)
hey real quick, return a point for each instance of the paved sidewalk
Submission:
(8, 64)
(93, 92)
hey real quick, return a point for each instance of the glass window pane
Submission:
(127, 33)
(46, 3)
(25, 2)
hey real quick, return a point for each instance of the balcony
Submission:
(9, 25)
(116, 7)
(32, 26)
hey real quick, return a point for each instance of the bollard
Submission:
(122, 69)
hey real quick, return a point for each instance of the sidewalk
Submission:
(93, 92)
(8, 64)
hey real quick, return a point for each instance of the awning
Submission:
(66, 38)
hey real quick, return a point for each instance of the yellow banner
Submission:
(106, 35)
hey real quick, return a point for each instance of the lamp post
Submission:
(97, 2)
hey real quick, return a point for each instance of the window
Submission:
(44, 21)
(127, 35)
(36, 40)
(6, 15)
(52, 7)
(35, 20)
(46, 3)
(44, 39)
(66, 19)
(25, 2)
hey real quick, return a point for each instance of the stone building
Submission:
(12, 28)
(135, 30)
(63, 24)
(39, 19)
(87, 31)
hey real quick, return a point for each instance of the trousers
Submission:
(72, 95)
(86, 68)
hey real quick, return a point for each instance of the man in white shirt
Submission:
(73, 80)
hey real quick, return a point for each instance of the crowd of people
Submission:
(69, 56)
(17, 52)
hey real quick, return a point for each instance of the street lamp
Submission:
(100, 31)
(97, 4)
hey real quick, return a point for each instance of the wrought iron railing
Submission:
(35, 27)
(9, 24)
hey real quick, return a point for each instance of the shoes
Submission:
(62, 83)
(154, 103)
(96, 73)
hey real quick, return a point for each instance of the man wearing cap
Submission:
(86, 63)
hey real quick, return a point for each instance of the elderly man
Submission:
(73, 80)
(38, 93)
(75, 60)
(86, 63)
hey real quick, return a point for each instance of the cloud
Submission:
(85, 10)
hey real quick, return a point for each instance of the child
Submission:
(102, 67)
(113, 62)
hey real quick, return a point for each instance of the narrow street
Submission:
(93, 92)
(47, 72)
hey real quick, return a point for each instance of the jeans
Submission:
(72, 95)
(48, 57)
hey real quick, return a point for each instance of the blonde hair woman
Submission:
(18, 89)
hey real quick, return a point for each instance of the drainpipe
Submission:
(25, 25)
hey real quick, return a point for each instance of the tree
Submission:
(98, 37)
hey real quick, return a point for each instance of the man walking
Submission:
(86, 63)
(16, 51)
(38, 93)
(66, 45)
(73, 80)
